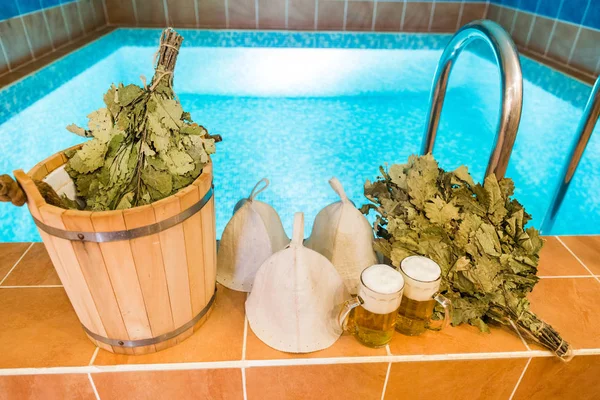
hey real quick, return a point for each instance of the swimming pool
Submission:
(299, 108)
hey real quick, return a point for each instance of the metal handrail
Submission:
(584, 132)
(511, 94)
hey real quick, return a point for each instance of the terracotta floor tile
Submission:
(34, 269)
(9, 254)
(38, 328)
(211, 384)
(550, 378)
(346, 346)
(587, 248)
(48, 387)
(219, 339)
(571, 307)
(469, 379)
(319, 382)
(460, 339)
(556, 260)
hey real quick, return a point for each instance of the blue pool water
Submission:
(299, 108)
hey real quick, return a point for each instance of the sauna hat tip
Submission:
(253, 234)
(296, 297)
(343, 235)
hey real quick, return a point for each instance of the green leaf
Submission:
(127, 94)
(439, 212)
(101, 124)
(462, 173)
(89, 158)
(158, 180)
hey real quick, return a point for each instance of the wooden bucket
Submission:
(140, 280)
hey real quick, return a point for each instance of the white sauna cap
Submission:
(61, 182)
(343, 235)
(421, 268)
(252, 235)
(382, 279)
(296, 297)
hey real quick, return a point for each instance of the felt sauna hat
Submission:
(296, 298)
(252, 235)
(343, 235)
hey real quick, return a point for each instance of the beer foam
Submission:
(383, 279)
(421, 268)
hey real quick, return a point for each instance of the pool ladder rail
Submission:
(511, 85)
(511, 96)
(584, 132)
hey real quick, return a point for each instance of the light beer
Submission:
(373, 330)
(374, 311)
(422, 277)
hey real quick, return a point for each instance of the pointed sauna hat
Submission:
(343, 235)
(296, 297)
(252, 235)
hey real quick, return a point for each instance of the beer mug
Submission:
(422, 277)
(371, 315)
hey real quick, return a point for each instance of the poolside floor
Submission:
(44, 353)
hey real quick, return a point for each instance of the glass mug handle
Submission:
(447, 305)
(348, 306)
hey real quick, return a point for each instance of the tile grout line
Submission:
(565, 276)
(5, 56)
(520, 336)
(244, 341)
(576, 257)
(93, 386)
(403, 15)
(197, 13)
(520, 379)
(387, 378)
(256, 14)
(93, 10)
(27, 38)
(374, 16)
(105, 12)
(345, 14)
(316, 14)
(431, 13)
(48, 30)
(31, 287)
(583, 17)
(551, 37)
(226, 5)
(135, 13)
(286, 362)
(67, 25)
(166, 11)
(94, 355)
(17, 263)
(574, 45)
(460, 14)
(80, 17)
(514, 22)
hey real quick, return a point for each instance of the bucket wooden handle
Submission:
(10, 191)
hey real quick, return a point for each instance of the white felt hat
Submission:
(252, 235)
(343, 235)
(296, 297)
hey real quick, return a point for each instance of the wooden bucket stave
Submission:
(133, 292)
